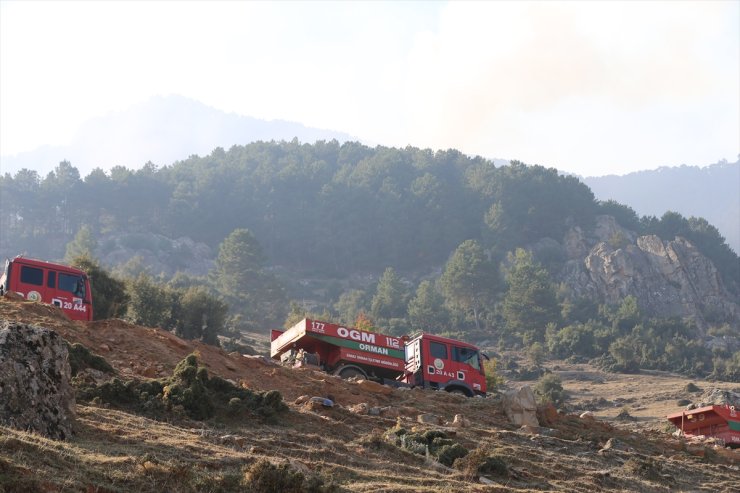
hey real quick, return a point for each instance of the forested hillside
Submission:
(408, 238)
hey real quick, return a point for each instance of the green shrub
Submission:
(192, 312)
(264, 477)
(81, 358)
(481, 462)
(550, 389)
(109, 295)
(493, 379)
(571, 340)
(448, 453)
(434, 442)
(536, 352)
(691, 387)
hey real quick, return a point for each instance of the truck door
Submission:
(5, 278)
(414, 362)
(436, 355)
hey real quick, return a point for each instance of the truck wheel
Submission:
(458, 390)
(350, 372)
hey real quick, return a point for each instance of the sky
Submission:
(592, 88)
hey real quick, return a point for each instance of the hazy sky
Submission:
(588, 87)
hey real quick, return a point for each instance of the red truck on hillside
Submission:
(425, 360)
(55, 284)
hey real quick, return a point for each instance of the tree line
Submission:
(326, 208)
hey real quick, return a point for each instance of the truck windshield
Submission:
(73, 284)
(467, 356)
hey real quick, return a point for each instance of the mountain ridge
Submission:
(163, 130)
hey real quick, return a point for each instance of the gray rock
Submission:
(35, 390)
(429, 419)
(668, 278)
(520, 406)
(718, 397)
(158, 254)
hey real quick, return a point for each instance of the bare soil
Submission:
(115, 451)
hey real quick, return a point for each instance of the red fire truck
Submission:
(55, 284)
(425, 360)
(718, 421)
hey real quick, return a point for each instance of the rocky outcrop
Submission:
(717, 397)
(157, 253)
(520, 406)
(35, 391)
(668, 278)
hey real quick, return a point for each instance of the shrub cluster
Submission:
(549, 388)
(432, 442)
(265, 477)
(81, 358)
(190, 390)
(482, 462)
(190, 312)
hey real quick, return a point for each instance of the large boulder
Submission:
(35, 390)
(520, 406)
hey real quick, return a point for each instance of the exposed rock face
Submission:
(717, 397)
(668, 279)
(158, 253)
(521, 407)
(35, 391)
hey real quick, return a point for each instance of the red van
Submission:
(55, 284)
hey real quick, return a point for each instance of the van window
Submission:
(73, 284)
(32, 275)
(51, 280)
(467, 356)
(437, 350)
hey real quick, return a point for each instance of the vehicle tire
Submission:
(458, 390)
(350, 372)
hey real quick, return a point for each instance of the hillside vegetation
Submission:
(407, 238)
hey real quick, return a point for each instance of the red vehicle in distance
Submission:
(46, 282)
(427, 360)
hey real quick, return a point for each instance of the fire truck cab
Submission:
(446, 364)
(46, 282)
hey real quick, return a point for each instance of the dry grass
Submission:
(117, 451)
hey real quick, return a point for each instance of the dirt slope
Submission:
(117, 451)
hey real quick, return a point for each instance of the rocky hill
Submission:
(668, 278)
(354, 444)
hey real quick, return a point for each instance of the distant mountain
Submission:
(163, 130)
(711, 192)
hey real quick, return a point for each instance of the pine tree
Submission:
(240, 278)
(470, 280)
(83, 244)
(238, 265)
(530, 302)
(426, 309)
(390, 297)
